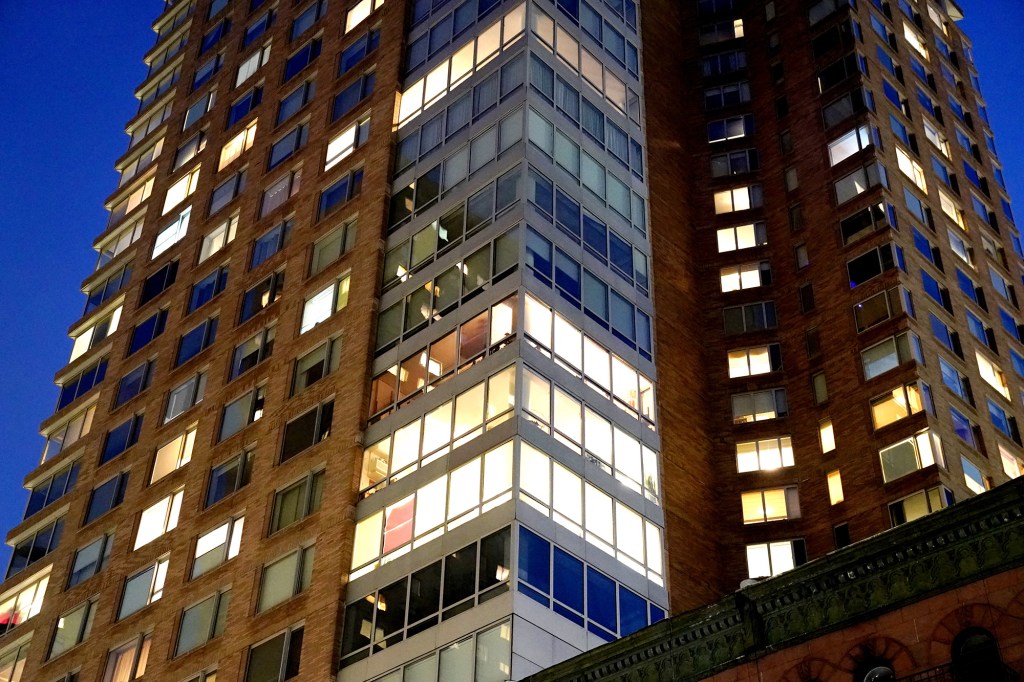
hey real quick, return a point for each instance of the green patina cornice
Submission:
(977, 538)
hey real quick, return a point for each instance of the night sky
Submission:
(69, 70)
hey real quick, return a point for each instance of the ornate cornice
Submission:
(972, 540)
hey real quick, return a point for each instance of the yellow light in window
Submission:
(835, 487)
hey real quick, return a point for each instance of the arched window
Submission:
(975, 654)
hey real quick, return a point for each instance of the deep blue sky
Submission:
(69, 70)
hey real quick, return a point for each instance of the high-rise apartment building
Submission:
(835, 253)
(365, 381)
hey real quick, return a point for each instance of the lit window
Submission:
(764, 455)
(835, 487)
(345, 142)
(234, 147)
(992, 375)
(1013, 466)
(22, 603)
(738, 199)
(324, 303)
(742, 237)
(752, 361)
(912, 169)
(180, 190)
(158, 519)
(72, 628)
(759, 406)
(910, 455)
(848, 144)
(899, 403)
(826, 436)
(128, 662)
(252, 64)
(216, 546)
(772, 558)
(218, 238)
(745, 276)
(772, 504)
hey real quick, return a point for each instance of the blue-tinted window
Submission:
(243, 106)
(931, 287)
(567, 214)
(962, 426)
(632, 612)
(81, 383)
(922, 244)
(966, 285)
(657, 614)
(120, 438)
(568, 586)
(214, 35)
(534, 560)
(999, 419)
(257, 28)
(347, 99)
(977, 327)
(269, 243)
(301, 59)
(354, 53)
(601, 600)
(538, 255)
(1009, 323)
(892, 94)
(1018, 362)
(105, 497)
(205, 289)
(147, 330)
(567, 277)
(196, 340)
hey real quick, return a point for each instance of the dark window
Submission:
(262, 295)
(309, 16)
(270, 243)
(346, 100)
(214, 35)
(147, 330)
(52, 489)
(196, 340)
(103, 291)
(90, 560)
(297, 501)
(355, 52)
(294, 101)
(205, 289)
(120, 438)
(841, 533)
(35, 547)
(82, 382)
(242, 106)
(257, 28)
(276, 659)
(341, 191)
(228, 477)
(133, 383)
(301, 59)
(241, 412)
(315, 365)
(105, 497)
(287, 145)
(158, 282)
(251, 352)
(308, 430)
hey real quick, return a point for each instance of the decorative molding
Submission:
(970, 541)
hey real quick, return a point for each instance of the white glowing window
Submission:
(897, 404)
(914, 40)
(234, 147)
(738, 199)
(753, 361)
(845, 146)
(22, 602)
(252, 64)
(218, 238)
(359, 12)
(323, 304)
(172, 234)
(835, 487)
(742, 237)
(992, 375)
(745, 276)
(173, 455)
(1012, 465)
(158, 519)
(345, 142)
(217, 546)
(909, 455)
(826, 436)
(952, 209)
(96, 333)
(764, 455)
(771, 504)
(181, 190)
(912, 169)
(770, 559)
(936, 138)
